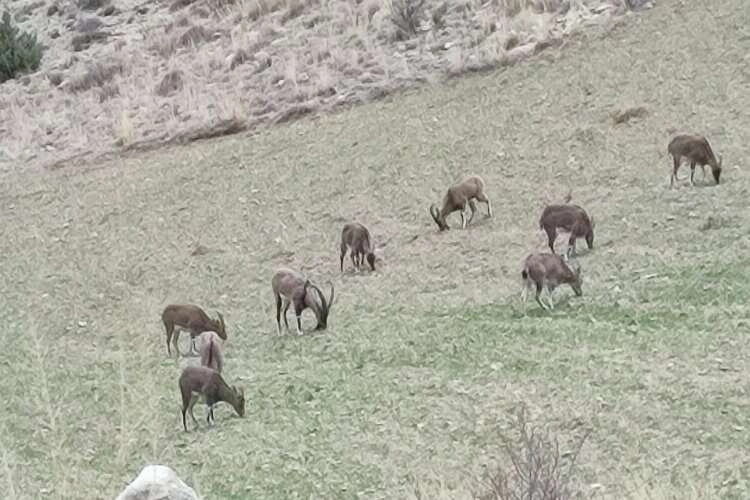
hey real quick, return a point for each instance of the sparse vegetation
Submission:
(274, 60)
(19, 50)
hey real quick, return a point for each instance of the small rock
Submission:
(88, 24)
(239, 56)
(628, 114)
(158, 481)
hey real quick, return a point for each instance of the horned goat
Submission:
(458, 197)
(292, 287)
(191, 318)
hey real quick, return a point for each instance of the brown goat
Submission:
(356, 238)
(545, 270)
(210, 348)
(291, 287)
(697, 150)
(198, 382)
(191, 318)
(458, 197)
(569, 218)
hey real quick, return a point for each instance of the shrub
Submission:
(406, 16)
(537, 468)
(19, 51)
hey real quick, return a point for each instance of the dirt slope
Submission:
(129, 74)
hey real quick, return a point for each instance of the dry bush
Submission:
(91, 4)
(193, 36)
(294, 9)
(85, 40)
(537, 470)
(406, 15)
(514, 7)
(96, 75)
(179, 4)
(258, 8)
(171, 83)
(108, 91)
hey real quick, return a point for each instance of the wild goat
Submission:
(570, 218)
(549, 270)
(191, 318)
(356, 237)
(198, 382)
(697, 150)
(458, 197)
(291, 287)
(210, 348)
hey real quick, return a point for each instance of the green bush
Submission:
(19, 51)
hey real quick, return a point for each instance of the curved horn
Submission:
(330, 300)
(320, 309)
(223, 327)
(435, 214)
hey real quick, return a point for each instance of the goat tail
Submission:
(525, 274)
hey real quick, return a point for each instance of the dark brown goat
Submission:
(198, 382)
(569, 218)
(291, 287)
(545, 270)
(697, 150)
(191, 318)
(458, 197)
(356, 238)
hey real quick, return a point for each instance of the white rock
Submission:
(157, 482)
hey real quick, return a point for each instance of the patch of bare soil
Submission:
(138, 74)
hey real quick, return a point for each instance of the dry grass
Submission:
(273, 60)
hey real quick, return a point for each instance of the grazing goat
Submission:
(458, 197)
(210, 348)
(697, 150)
(198, 382)
(356, 237)
(545, 270)
(191, 318)
(570, 218)
(291, 287)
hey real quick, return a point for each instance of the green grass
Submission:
(416, 381)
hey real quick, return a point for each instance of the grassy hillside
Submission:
(412, 387)
(130, 74)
